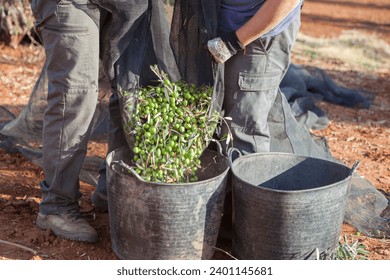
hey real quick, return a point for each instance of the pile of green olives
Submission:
(171, 126)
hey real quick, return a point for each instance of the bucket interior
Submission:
(288, 172)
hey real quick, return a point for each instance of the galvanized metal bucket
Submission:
(165, 221)
(287, 206)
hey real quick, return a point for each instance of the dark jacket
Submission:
(134, 35)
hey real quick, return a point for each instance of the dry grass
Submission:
(359, 51)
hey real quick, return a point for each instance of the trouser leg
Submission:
(70, 34)
(252, 80)
(115, 137)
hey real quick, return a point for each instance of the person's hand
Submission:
(224, 47)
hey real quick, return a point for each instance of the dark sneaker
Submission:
(100, 201)
(68, 226)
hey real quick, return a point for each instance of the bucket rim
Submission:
(162, 184)
(347, 178)
(295, 191)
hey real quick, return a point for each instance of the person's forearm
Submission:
(266, 18)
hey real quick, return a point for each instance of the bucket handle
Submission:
(354, 167)
(230, 153)
(125, 168)
(120, 163)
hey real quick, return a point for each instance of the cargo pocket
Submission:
(250, 113)
(255, 98)
(68, 57)
(258, 82)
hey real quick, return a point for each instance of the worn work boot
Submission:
(68, 226)
(100, 201)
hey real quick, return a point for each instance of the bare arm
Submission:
(266, 18)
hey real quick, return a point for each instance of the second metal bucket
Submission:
(287, 206)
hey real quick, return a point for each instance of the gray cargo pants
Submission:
(252, 79)
(69, 31)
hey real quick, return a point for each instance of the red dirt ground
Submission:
(353, 134)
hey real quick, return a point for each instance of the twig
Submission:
(223, 251)
(32, 39)
(19, 246)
